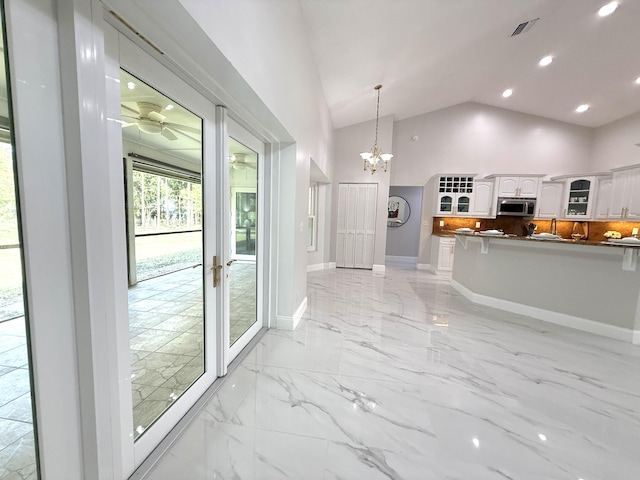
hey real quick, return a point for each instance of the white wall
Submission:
(266, 42)
(614, 145)
(348, 168)
(475, 138)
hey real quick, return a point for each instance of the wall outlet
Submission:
(425, 223)
(634, 232)
(442, 223)
(477, 224)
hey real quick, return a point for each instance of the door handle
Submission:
(230, 262)
(216, 271)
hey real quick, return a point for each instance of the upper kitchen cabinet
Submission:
(454, 194)
(482, 204)
(625, 193)
(523, 186)
(579, 196)
(604, 191)
(549, 204)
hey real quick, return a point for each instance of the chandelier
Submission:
(375, 159)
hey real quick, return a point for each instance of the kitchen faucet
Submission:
(553, 230)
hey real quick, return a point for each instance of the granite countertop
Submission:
(529, 239)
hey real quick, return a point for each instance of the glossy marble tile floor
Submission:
(396, 376)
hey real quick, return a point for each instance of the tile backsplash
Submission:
(516, 226)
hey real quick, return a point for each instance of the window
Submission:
(312, 228)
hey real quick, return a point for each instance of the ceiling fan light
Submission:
(386, 157)
(149, 126)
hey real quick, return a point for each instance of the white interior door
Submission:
(356, 225)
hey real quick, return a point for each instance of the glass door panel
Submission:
(17, 438)
(244, 243)
(162, 142)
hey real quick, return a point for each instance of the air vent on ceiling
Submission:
(524, 27)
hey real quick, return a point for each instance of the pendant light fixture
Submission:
(375, 159)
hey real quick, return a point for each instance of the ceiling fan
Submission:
(238, 162)
(149, 120)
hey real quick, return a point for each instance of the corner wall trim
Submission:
(290, 323)
(332, 264)
(578, 323)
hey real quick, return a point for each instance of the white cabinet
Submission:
(453, 204)
(482, 199)
(549, 203)
(514, 186)
(454, 193)
(579, 197)
(603, 198)
(445, 254)
(625, 195)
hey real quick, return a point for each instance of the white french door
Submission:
(243, 239)
(170, 308)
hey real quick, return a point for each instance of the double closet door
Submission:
(193, 212)
(356, 225)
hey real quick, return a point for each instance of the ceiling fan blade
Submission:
(168, 134)
(125, 124)
(186, 128)
(156, 117)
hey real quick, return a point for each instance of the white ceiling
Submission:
(431, 54)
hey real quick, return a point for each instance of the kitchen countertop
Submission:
(559, 241)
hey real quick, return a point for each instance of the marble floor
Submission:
(396, 376)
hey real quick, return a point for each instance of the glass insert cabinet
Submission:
(454, 195)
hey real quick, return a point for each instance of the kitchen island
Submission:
(590, 286)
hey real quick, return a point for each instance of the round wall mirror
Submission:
(398, 211)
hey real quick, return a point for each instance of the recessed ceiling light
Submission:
(638, 80)
(582, 108)
(608, 9)
(507, 93)
(131, 85)
(169, 107)
(544, 61)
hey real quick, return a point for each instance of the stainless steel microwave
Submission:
(516, 207)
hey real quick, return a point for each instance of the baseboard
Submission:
(332, 264)
(378, 268)
(400, 260)
(290, 323)
(423, 266)
(317, 266)
(578, 323)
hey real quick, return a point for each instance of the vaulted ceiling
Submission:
(431, 54)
